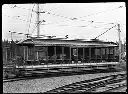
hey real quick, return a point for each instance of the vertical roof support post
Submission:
(24, 52)
(77, 58)
(47, 58)
(89, 54)
(47, 54)
(77, 54)
(101, 53)
(27, 52)
(107, 51)
(33, 53)
(114, 53)
(37, 56)
(55, 54)
(6, 55)
(70, 54)
(62, 54)
(83, 55)
(96, 54)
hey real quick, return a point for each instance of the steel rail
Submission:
(88, 85)
(115, 87)
(40, 73)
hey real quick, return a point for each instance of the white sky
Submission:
(17, 19)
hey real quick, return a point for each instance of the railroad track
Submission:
(89, 85)
(39, 74)
(115, 86)
(122, 88)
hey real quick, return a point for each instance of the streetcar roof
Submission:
(66, 42)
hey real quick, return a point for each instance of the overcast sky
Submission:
(78, 20)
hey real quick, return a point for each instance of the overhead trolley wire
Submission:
(33, 11)
(79, 25)
(17, 17)
(15, 6)
(66, 16)
(77, 18)
(51, 8)
(55, 15)
(101, 12)
(71, 18)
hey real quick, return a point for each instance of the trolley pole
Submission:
(119, 42)
(38, 22)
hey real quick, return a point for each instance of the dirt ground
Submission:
(45, 84)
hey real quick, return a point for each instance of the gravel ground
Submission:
(45, 84)
(124, 89)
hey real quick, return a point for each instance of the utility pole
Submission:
(119, 42)
(11, 46)
(11, 52)
(38, 22)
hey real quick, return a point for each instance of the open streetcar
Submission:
(49, 53)
(63, 51)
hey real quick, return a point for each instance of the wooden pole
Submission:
(119, 42)
(38, 27)
(6, 55)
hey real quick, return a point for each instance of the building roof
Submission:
(59, 42)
